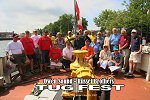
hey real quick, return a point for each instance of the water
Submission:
(3, 45)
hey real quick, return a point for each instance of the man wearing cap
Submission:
(92, 36)
(85, 36)
(116, 58)
(78, 42)
(29, 48)
(136, 49)
(124, 44)
(16, 49)
(90, 54)
(44, 47)
(114, 39)
(70, 38)
(35, 37)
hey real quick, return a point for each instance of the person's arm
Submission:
(92, 54)
(111, 60)
(65, 55)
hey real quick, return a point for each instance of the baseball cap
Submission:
(133, 31)
(15, 35)
(115, 48)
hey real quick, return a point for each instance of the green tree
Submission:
(134, 16)
(64, 24)
(84, 23)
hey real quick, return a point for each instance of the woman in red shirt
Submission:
(55, 54)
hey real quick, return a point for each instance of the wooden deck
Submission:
(135, 89)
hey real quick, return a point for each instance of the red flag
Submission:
(77, 12)
(79, 20)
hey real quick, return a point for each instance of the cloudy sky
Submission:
(21, 15)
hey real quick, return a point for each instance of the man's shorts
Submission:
(45, 57)
(135, 57)
(37, 55)
(19, 59)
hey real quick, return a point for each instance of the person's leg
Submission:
(134, 67)
(47, 59)
(91, 62)
(126, 59)
(130, 66)
(42, 61)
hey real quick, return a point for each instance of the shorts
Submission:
(136, 58)
(31, 56)
(19, 59)
(45, 57)
(37, 55)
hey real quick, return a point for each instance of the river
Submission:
(3, 45)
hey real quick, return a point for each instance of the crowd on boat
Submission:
(114, 51)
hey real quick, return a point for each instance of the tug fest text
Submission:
(103, 84)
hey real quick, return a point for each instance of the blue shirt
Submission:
(114, 39)
(116, 57)
(135, 43)
(97, 47)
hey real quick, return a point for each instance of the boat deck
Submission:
(135, 89)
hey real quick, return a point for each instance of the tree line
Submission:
(136, 15)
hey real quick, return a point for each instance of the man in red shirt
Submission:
(124, 44)
(29, 48)
(44, 47)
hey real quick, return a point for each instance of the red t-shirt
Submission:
(123, 40)
(28, 45)
(45, 43)
(55, 53)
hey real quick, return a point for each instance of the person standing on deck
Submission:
(44, 47)
(100, 40)
(114, 39)
(124, 44)
(35, 37)
(60, 41)
(92, 36)
(70, 38)
(29, 48)
(16, 49)
(136, 49)
(78, 42)
(106, 40)
(51, 37)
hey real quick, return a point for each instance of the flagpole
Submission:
(75, 19)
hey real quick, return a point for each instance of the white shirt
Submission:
(15, 47)
(68, 52)
(35, 40)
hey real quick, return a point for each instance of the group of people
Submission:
(103, 51)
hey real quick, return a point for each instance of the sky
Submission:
(21, 15)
